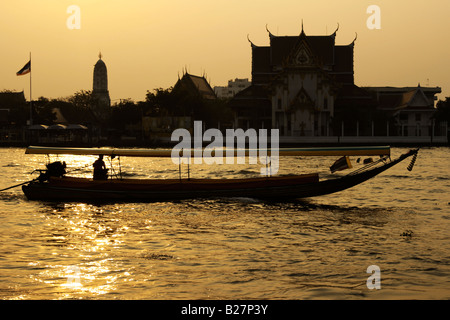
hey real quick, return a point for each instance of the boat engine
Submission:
(54, 169)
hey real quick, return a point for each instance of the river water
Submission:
(236, 248)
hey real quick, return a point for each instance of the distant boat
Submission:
(76, 127)
(57, 127)
(38, 127)
(53, 184)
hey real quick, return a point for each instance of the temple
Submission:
(298, 83)
(100, 84)
(195, 85)
(411, 108)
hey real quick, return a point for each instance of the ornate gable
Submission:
(301, 54)
(302, 101)
(415, 99)
(419, 100)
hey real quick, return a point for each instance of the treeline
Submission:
(83, 108)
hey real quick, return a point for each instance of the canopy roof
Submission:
(328, 151)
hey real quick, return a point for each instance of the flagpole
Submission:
(31, 99)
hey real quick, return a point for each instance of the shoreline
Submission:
(282, 144)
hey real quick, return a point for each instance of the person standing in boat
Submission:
(100, 170)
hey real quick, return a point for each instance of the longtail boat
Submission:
(55, 185)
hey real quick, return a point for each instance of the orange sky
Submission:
(147, 43)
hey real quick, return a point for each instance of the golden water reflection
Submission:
(85, 236)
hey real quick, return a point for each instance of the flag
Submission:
(26, 69)
(341, 164)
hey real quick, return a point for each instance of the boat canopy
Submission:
(99, 151)
(337, 151)
(325, 151)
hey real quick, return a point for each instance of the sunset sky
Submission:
(146, 44)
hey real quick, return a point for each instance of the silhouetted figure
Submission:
(100, 171)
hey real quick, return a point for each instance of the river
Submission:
(238, 248)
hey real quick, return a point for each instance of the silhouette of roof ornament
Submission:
(251, 43)
(334, 33)
(270, 33)
(356, 37)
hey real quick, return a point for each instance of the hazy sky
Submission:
(147, 43)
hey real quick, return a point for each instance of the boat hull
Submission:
(70, 189)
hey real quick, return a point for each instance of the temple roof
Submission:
(343, 58)
(200, 84)
(261, 59)
(11, 99)
(335, 58)
(405, 98)
(415, 99)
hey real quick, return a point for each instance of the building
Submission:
(252, 108)
(14, 114)
(195, 86)
(191, 97)
(412, 108)
(100, 83)
(234, 86)
(301, 81)
(14, 109)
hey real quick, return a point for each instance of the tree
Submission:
(160, 102)
(124, 113)
(443, 110)
(82, 99)
(180, 103)
(44, 111)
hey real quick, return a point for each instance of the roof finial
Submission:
(336, 29)
(100, 55)
(270, 33)
(303, 30)
(356, 37)
(251, 43)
